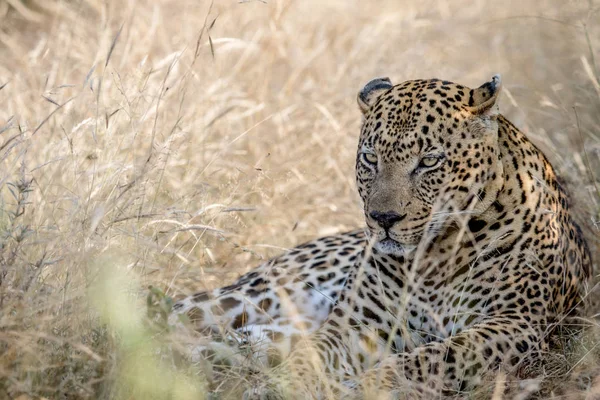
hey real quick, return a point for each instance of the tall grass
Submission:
(178, 143)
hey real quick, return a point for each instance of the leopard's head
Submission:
(428, 151)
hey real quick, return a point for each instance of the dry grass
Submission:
(178, 143)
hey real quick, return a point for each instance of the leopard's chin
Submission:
(393, 247)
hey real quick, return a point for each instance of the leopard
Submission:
(469, 263)
(272, 306)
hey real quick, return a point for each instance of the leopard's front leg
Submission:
(457, 363)
(315, 369)
(347, 344)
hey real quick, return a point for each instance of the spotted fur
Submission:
(471, 262)
(273, 305)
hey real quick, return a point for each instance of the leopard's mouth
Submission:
(394, 243)
(387, 245)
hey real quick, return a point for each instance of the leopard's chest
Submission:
(433, 310)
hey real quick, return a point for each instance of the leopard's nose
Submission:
(386, 219)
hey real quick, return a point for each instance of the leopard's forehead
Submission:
(429, 109)
(431, 98)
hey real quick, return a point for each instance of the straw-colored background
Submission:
(178, 143)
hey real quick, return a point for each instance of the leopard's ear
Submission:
(484, 99)
(371, 92)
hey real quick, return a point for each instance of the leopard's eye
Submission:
(370, 158)
(429, 161)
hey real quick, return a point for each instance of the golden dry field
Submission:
(177, 143)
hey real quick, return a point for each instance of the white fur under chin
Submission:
(390, 246)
